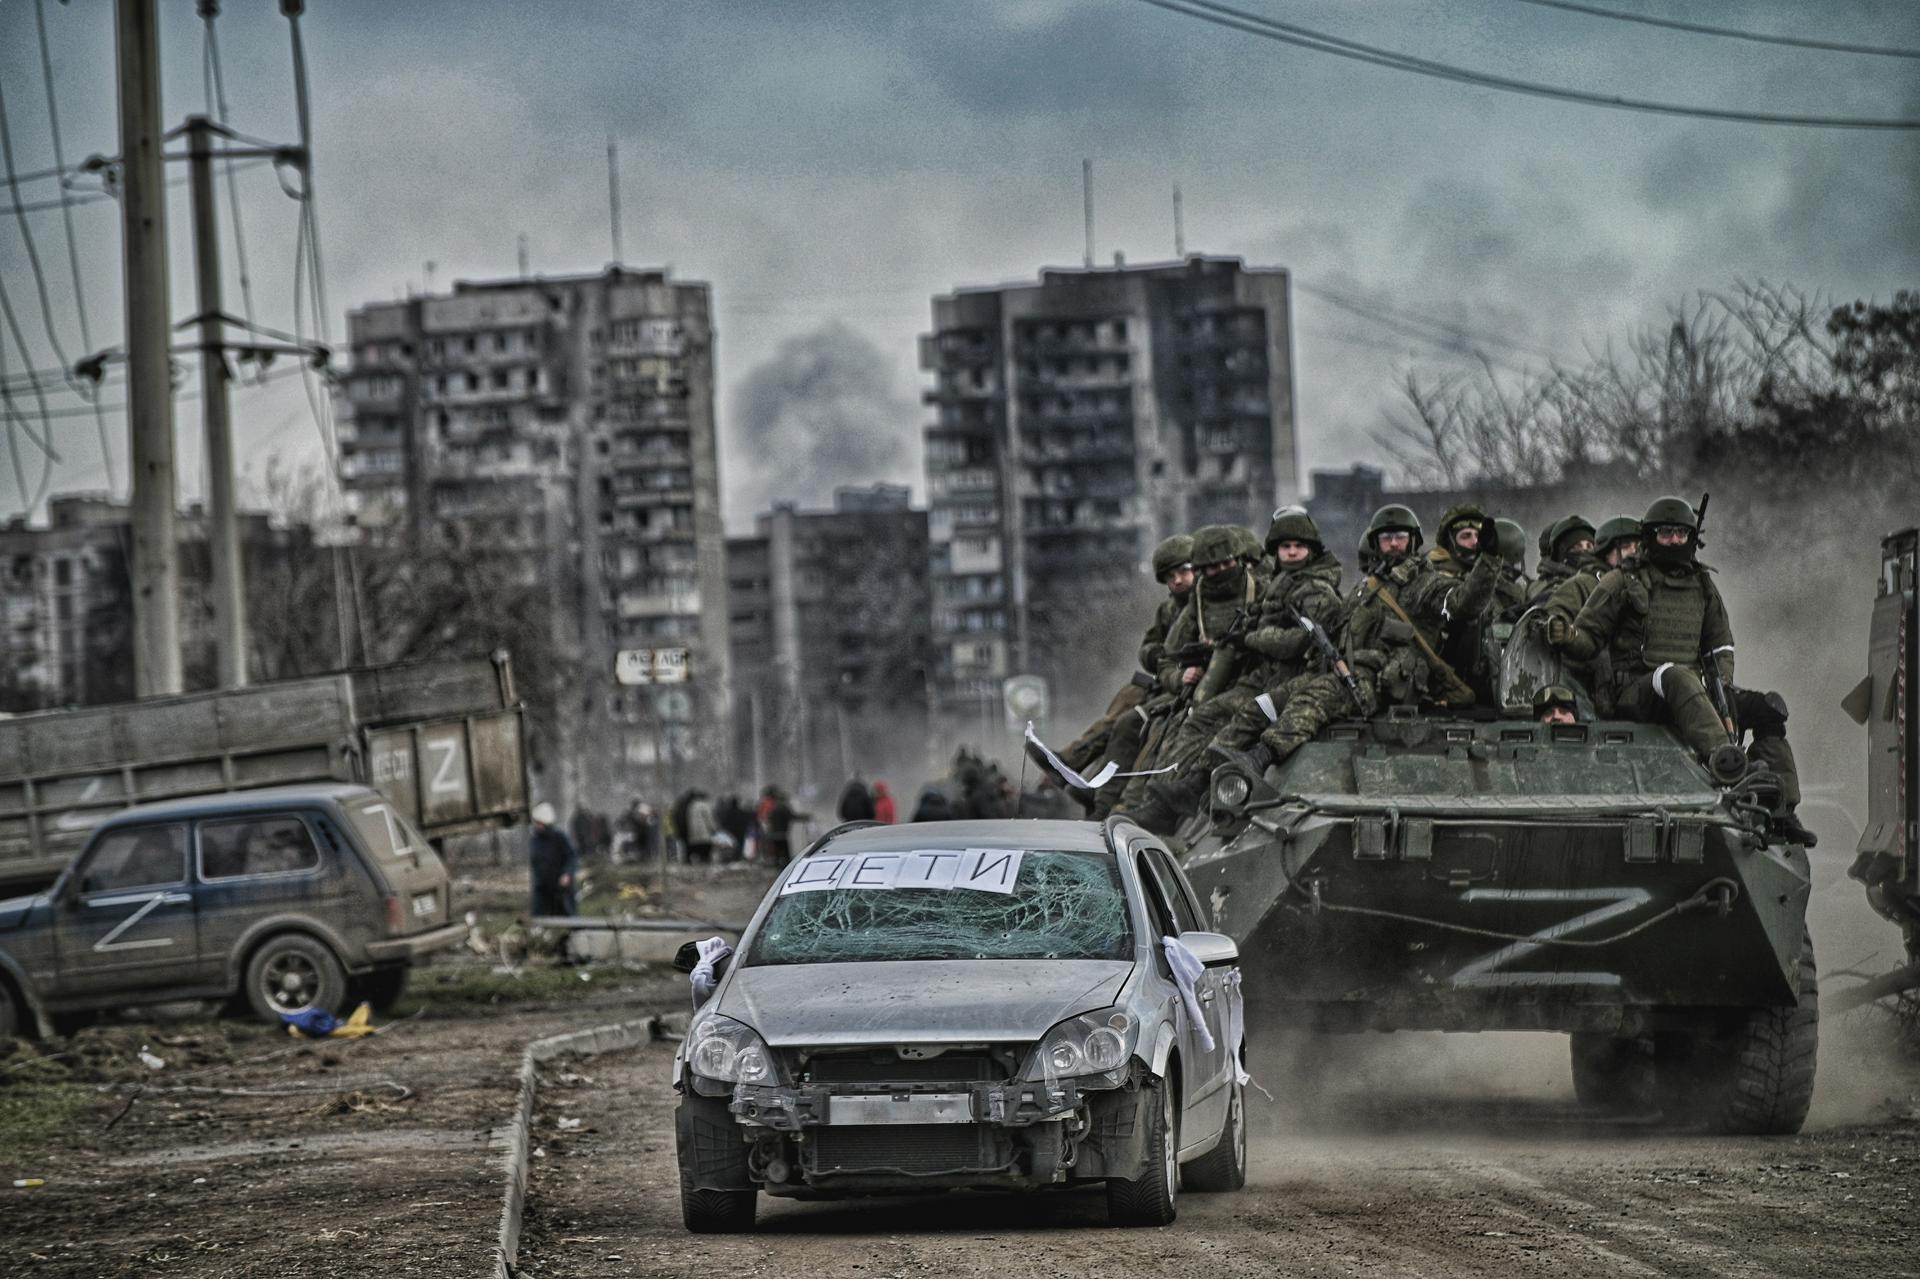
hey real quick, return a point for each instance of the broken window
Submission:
(1064, 905)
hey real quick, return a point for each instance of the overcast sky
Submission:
(835, 164)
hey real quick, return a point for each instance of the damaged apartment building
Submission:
(1076, 422)
(560, 431)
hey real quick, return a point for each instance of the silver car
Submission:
(988, 1004)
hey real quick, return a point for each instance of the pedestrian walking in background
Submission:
(856, 802)
(699, 829)
(778, 825)
(883, 810)
(554, 864)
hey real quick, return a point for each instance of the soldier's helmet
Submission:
(1615, 529)
(1459, 514)
(1174, 553)
(1293, 524)
(1567, 530)
(1513, 542)
(1551, 695)
(1394, 518)
(1246, 545)
(1215, 544)
(1671, 510)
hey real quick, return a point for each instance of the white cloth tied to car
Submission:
(702, 978)
(1186, 972)
(1108, 771)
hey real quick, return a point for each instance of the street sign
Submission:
(650, 666)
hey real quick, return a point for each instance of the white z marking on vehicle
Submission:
(444, 782)
(149, 902)
(1487, 970)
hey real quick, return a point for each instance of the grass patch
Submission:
(532, 984)
(35, 1116)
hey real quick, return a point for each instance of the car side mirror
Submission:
(1213, 950)
(687, 957)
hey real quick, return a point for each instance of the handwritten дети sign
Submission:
(987, 870)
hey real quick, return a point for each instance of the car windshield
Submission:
(947, 904)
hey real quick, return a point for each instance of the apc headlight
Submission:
(1093, 1044)
(1231, 789)
(724, 1049)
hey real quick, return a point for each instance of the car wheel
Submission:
(1148, 1200)
(708, 1149)
(382, 988)
(292, 973)
(1225, 1166)
(9, 1013)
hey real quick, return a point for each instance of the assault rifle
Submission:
(1323, 644)
(1709, 662)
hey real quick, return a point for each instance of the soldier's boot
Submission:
(1156, 813)
(1283, 742)
(1253, 762)
(1786, 824)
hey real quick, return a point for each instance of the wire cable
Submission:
(73, 245)
(216, 94)
(1730, 33)
(1233, 19)
(33, 252)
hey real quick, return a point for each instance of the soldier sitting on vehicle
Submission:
(1617, 541)
(1566, 547)
(1510, 593)
(1556, 704)
(1468, 536)
(1278, 656)
(1196, 667)
(1117, 734)
(1662, 626)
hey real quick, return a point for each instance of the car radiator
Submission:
(915, 1149)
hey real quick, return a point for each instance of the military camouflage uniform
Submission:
(1558, 564)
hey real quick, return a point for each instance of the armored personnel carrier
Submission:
(1500, 874)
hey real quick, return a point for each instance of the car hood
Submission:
(14, 910)
(948, 1001)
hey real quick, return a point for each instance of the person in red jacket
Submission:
(883, 810)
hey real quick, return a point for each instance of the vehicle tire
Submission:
(10, 1013)
(381, 988)
(707, 1139)
(1225, 1166)
(291, 973)
(1613, 1074)
(1148, 1200)
(1754, 1078)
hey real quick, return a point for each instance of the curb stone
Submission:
(516, 1140)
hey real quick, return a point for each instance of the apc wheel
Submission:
(1225, 1166)
(382, 988)
(1613, 1074)
(1764, 1081)
(1148, 1200)
(292, 973)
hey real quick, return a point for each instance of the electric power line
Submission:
(73, 243)
(1241, 20)
(216, 92)
(1422, 326)
(1731, 33)
(26, 234)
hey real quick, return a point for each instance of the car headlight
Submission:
(1231, 789)
(1092, 1044)
(730, 1051)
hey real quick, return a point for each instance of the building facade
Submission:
(66, 621)
(561, 432)
(1077, 421)
(829, 618)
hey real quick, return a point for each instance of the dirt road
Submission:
(1421, 1155)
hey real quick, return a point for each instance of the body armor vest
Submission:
(1676, 612)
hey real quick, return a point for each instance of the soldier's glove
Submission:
(1557, 632)
(1489, 538)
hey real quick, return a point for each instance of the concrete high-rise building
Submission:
(1078, 420)
(828, 619)
(563, 428)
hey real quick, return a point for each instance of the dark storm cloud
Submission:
(845, 160)
(825, 411)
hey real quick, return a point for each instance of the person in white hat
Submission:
(553, 862)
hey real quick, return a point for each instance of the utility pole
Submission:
(223, 530)
(1179, 230)
(1086, 200)
(613, 196)
(155, 570)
